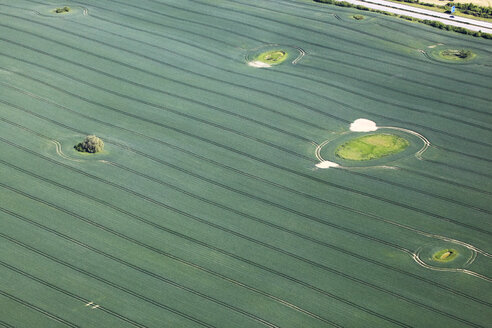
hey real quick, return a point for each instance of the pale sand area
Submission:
(259, 64)
(326, 164)
(359, 125)
(363, 125)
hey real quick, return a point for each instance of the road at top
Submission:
(401, 9)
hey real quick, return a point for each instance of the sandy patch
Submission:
(326, 164)
(363, 125)
(259, 64)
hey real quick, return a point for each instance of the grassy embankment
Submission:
(273, 57)
(371, 147)
(457, 55)
(445, 255)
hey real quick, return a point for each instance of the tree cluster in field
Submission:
(432, 23)
(62, 10)
(91, 144)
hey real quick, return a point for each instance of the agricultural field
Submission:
(214, 196)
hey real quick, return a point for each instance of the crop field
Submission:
(206, 207)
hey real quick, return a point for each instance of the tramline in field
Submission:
(240, 163)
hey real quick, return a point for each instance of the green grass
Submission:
(457, 55)
(62, 10)
(445, 255)
(206, 209)
(372, 146)
(273, 57)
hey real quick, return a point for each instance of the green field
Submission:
(371, 146)
(458, 55)
(445, 255)
(274, 57)
(205, 208)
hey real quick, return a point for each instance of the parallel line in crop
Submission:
(240, 258)
(403, 106)
(393, 103)
(205, 76)
(227, 230)
(100, 279)
(436, 87)
(140, 269)
(463, 153)
(370, 216)
(186, 115)
(160, 75)
(301, 156)
(38, 309)
(280, 148)
(159, 107)
(227, 96)
(215, 274)
(6, 325)
(275, 226)
(423, 192)
(446, 180)
(66, 292)
(250, 37)
(348, 90)
(297, 27)
(280, 274)
(460, 168)
(226, 187)
(378, 36)
(316, 179)
(311, 78)
(462, 107)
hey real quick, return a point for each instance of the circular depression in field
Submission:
(64, 149)
(50, 10)
(273, 55)
(445, 255)
(358, 18)
(456, 54)
(370, 148)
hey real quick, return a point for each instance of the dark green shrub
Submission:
(91, 144)
(62, 10)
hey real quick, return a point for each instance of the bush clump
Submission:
(91, 144)
(459, 53)
(358, 17)
(62, 10)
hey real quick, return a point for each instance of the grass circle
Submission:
(372, 146)
(273, 57)
(456, 54)
(61, 10)
(445, 255)
(50, 11)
